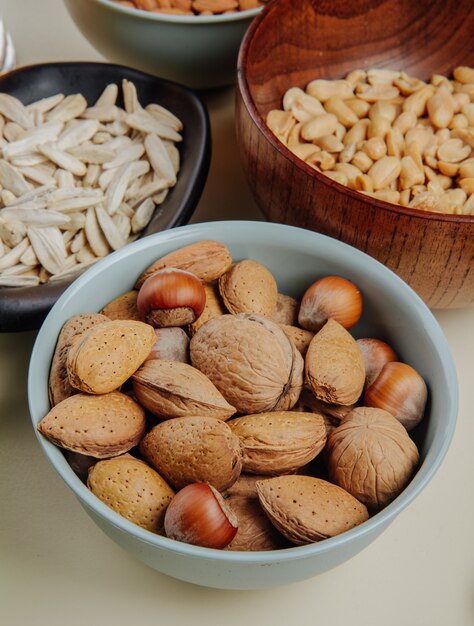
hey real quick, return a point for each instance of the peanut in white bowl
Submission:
(295, 256)
(197, 51)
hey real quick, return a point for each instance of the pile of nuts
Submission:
(78, 181)
(192, 7)
(388, 135)
(206, 406)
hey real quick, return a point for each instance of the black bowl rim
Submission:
(245, 92)
(24, 308)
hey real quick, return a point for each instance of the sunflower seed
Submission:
(13, 131)
(94, 234)
(103, 113)
(162, 114)
(79, 241)
(129, 155)
(12, 180)
(14, 110)
(12, 232)
(63, 159)
(108, 97)
(146, 191)
(45, 104)
(74, 271)
(19, 281)
(49, 247)
(49, 131)
(159, 158)
(29, 257)
(69, 108)
(122, 222)
(143, 121)
(37, 175)
(35, 217)
(142, 215)
(73, 135)
(130, 97)
(117, 188)
(110, 230)
(12, 257)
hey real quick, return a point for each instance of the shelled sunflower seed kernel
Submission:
(388, 135)
(79, 181)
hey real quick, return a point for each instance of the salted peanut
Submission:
(299, 336)
(465, 134)
(194, 449)
(350, 170)
(206, 259)
(216, 6)
(356, 465)
(453, 151)
(294, 137)
(410, 174)
(356, 76)
(357, 133)
(408, 84)
(249, 287)
(467, 185)
(306, 509)
(330, 143)
(378, 127)
(146, 5)
(387, 195)
(459, 121)
(384, 171)
(360, 107)
(465, 169)
(467, 109)
(133, 489)
(280, 123)
(304, 151)
(383, 109)
(375, 148)
(59, 386)
(101, 426)
(405, 197)
(379, 91)
(286, 310)
(334, 366)
(318, 126)
(417, 101)
(105, 356)
(381, 75)
(464, 74)
(395, 142)
(338, 177)
(346, 155)
(304, 107)
(468, 207)
(172, 389)
(279, 442)
(344, 114)
(325, 89)
(250, 360)
(405, 121)
(362, 161)
(322, 160)
(364, 183)
(440, 107)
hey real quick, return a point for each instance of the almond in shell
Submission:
(59, 386)
(124, 307)
(299, 336)
(286, 310)
(171, 389)
(133, 489)
(105, 356)
(99, 426)
(249, 287)
(206, 259)
(334, 365)
(194, 449)
(279, 442)
(306, 509)
(213, 307)
(250, 360)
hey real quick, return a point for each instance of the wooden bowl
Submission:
(285, 47)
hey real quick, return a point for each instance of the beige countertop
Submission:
(57, 567)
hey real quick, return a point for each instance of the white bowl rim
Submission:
(181, 19)
(306, 241)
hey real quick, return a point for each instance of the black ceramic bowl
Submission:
(24, 308)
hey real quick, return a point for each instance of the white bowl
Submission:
(198, 51)
(392, 311)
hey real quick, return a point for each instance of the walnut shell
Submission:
(306, 509)
(105, 356)
(133, 489)
(171, 389)
(100, 426)
(371, 456)
(194, 450)
(206, 259)
(249, 287)
(334, 365)
(278, 442)
(250, 360)
(59, 385)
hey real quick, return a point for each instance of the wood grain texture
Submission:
(285, 47)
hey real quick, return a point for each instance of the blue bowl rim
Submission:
(373, 525)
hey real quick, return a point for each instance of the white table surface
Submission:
(57, 567)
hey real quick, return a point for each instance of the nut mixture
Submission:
(78, 181)
(388, 135)
(192, 7)
(264, 426)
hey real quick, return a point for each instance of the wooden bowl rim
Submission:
(247, 99)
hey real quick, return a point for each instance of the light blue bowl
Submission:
(197, 51)
(392, 311)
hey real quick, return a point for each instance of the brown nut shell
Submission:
(171, 389)
(100, 426)
(279, 442)
(334, 365)
(213, 307)
(206, 259)
(299, 336)
(124, 307)
(171, 344)
(59, 385)
(371, 456)
(306, 509)
(105, 356)
(133, 489)
(249, 287)
(250, 360)
(194, 450)
(286, 310)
